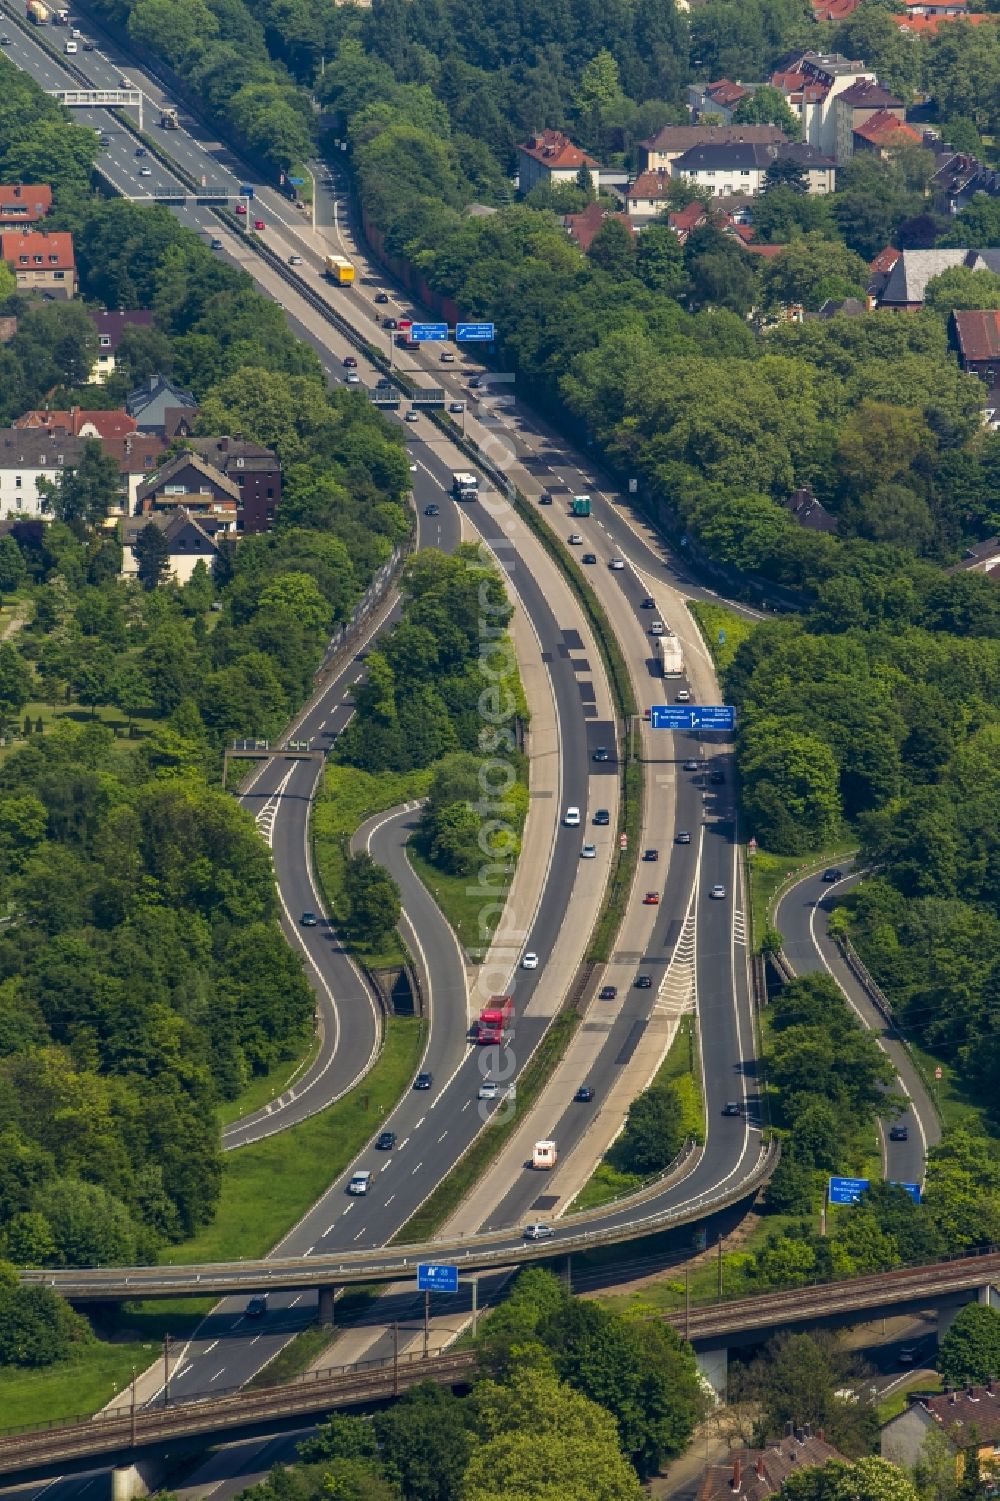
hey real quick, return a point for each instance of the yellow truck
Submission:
(340, 270)
(38, 12)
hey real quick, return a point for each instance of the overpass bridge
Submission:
(123, 1438)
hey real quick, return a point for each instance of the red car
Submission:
(241, 208)
(651, 899)
(259, 224)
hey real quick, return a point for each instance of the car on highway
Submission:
(350, 361)
(145, 171)
(456, 406)
(88, 46)
(616, 564)
(538, 1232)
(601, 754)
(608, 993)
(683, 837)
(899, 1133)
(381, 298)
(908, 1354)
(717, 777)
(295, 260)
(241, 209)
(602, 818)
(432, 510)
(650, 855)
(5, 41)
(731, 1108)
(447, 358)
(643, 982)
(488, 1090)
(257, 1306)
(413, 417)
(545, 499)
(589, 852)
(682, 696)
(361, 1182)
(575, 540)
(717, 892)
(656, 629)
(388, 323)
(216, 244)
(385, 1141)
(140, 151)
(649, 603)
(352, 378)
(589, 558)
(692, 765)
(530, 960)
(584, 1095)
(833, 874)
(259, 224)
(651, 899)
(475, 381)
(308, 920)
(571, 818)
(424, 1080)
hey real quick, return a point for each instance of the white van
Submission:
(544, 1155)
(70, 48)
(361, 1182)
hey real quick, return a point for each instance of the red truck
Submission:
(496, 1019)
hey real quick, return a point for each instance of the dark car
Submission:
(650, 854)
(216, 244)
(833, 874)
(683, 837)
(649, 603)
(589, 557)
(308, 920)
(584, 1095)
(140, 151)
(88, 46)
(475, 382)
(432, 510)
(545, 499)
(389, 323)
(5, 41)
(386, 1141)
(601, 754)
(423, 1081)
(350, 362)
(257, 1306)
(730, 1108)
(608, 993)
(602, 818)
(899, 1133)
(643, 982)
(717, 778)
(381, 297)
(692, 765)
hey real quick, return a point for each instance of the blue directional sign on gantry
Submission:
(468, 333)
(429, 333)
(692, 717)
(432, 1277)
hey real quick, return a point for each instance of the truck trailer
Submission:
(671, 657)
(496, 1019)
(168, 118)
(464, 485)
(38, 12)
(580, 505)
(340, 270)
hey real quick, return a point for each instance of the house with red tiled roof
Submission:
(766, 252)
(549, 156)
(584, 227)
(855, 106)
(883, 132)
(834, 10)
(813, 83)
(976, 332)
(757, 1474)
(23, 203)
(720, 98)
(41, 262)
(647, 196)
(968, 1419)
(686, 219)
(80, 423)
(923, 17)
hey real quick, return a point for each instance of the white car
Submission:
(616, 565)
(682, 696)
(413, 417)
(589, 852)
(575, 540)
(656, 629)
(530, 961)
(295, 260)
(489, 1089)
(145, 171)
(538, 1232)
(718, 892)
(360, 1183)
(571, 818)
(352, 378)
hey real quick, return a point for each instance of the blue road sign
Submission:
(296, 181)
(432, 1278)
(428, 333)
(469, 332)
(913, 1189)
(692, 717)
(847, 1190)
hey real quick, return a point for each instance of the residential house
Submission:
(687, 219)
(834, 10)
(647, 196)
(808, 511)
(42, 262)
(26, 457)
(977, 335)
(721, 98)
(110, 327)
(854, 107)
(882, 133)
(584, 227)
(906, 283)
(812, 82)
(958, 177)
(671, 141)
(190, 541)
(991, 412)
(968, 1419)
(843, 307)
(933, 17)
(951, 10)
(756, 1474)
(549, 156)
(81, 423)
(740, 168)
(981, 557)
(189, 482)
(138, 455)
(23, 203)
(256, 472)
(161, 407)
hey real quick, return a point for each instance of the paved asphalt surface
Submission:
(451, 1113)
(802, 917)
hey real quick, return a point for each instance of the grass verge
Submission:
(266, 1087)
(899, 1400)
(715, 622)
(679, 1068)
(769, 873)
(493, 1138)
(71, 1388)
(296, 1357)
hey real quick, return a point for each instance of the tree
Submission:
(613, 248)
(298, 595)
(960, 287)
(152, 554)
(791, 786)
(12, 566)
(659, 260)
(868, 1479)
(768, 106)
(786, 172)
(15, 682)
(373, 899)
(424, 1442)
(970, 1351)
(811, 270)
(653, 1132)
(82, 497)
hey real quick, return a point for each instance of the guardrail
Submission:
(857, 967)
